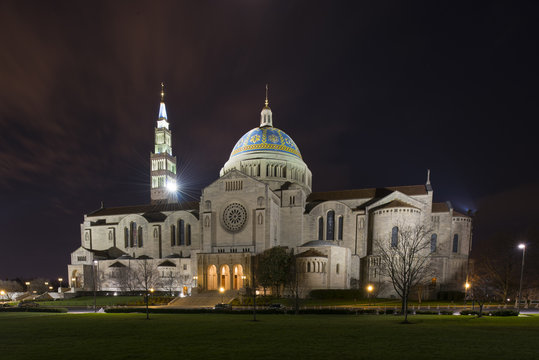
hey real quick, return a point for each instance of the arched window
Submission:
(181, 232)
(172, 235)
(341, 221)
(140, 236)
(433, 239)
(320, 228)
(126, 237)
(394, 236)
(308, 267)
(188, 234)
(456, 243)
(337, 268)
(133, 234)
(331, 225)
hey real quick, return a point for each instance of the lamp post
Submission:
(95, 286)
(195, 278)
(151, 290)
(60, 284)
(222, 291)
(466, 288)
(370, 288)
(523, 247)
(27, 283)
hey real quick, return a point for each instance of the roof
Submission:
(151, 211)
(110, 253)
(117, 264)
(167, 263)
(311, 253)
(366, 193)
(395, 204)
(266, 139)
(440, 207)
(459, 214)
(319, 243)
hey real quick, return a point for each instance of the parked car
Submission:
(222, 306)
(28, 304)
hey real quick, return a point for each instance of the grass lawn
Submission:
(223, 336)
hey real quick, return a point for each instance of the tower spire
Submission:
(266, 115)
(427, 184)
(162, 92)
(162, 107)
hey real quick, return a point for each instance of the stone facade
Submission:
(263, 199)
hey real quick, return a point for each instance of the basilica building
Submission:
(262, 198)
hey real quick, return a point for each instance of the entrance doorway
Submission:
(225, 277)
(238, 277)
(212, 278)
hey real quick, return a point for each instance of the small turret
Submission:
(266, 115)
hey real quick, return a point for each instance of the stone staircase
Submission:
(204, 299)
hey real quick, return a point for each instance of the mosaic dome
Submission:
(266, 139)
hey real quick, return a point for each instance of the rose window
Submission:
(234, 217)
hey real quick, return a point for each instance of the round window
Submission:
(234, 217)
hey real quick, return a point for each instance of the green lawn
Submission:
(222, 336)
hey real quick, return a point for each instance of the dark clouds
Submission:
(373, 94)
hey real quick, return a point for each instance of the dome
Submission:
(267, 139)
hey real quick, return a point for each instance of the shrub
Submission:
(34, 309)
(506, 312)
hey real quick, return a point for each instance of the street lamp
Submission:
(466, 288)
(60, 286)
(523, 247)
(370, 288)
(195, 278)
(95, 286)
(222, 291)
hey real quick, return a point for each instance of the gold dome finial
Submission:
(162, 92)
(267, 101)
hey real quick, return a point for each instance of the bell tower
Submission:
(163, 164)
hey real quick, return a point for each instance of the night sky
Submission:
(373, 93)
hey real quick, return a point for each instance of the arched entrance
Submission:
(211, 283)
(75, 282)
(225, 277)
(238, 277)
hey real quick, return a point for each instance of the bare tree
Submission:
(10, 286)
(481, 286)
(405, 260)
(170, 282)
(147, 278)
(125, 279)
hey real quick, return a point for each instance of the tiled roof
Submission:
(395, 204)
(145, 209)
(167, 263)
(459, 214)
(366, 193)
(110, 253)
(312, 253)
(440, 207)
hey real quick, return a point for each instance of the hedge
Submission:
(33, 309)
(491, 313)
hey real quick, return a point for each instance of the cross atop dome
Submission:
(266, 115)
